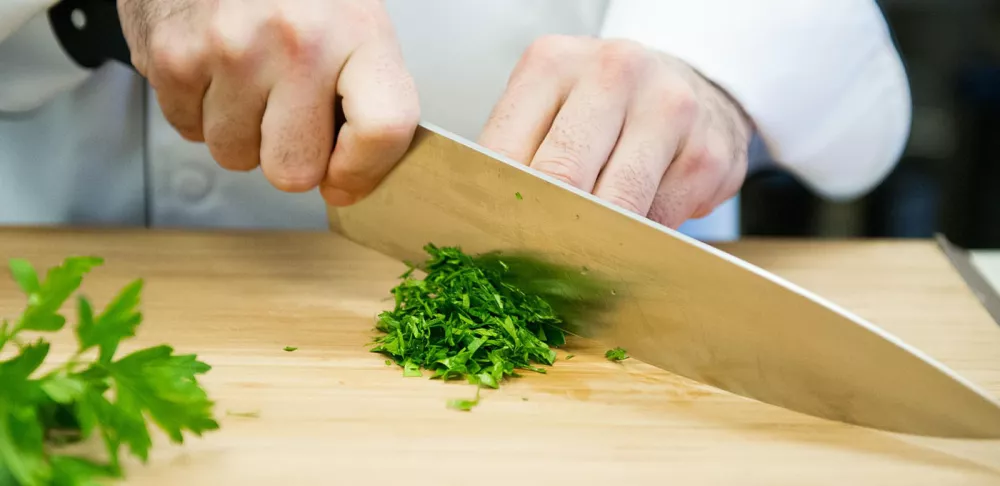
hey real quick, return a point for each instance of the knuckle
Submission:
(190, 134)
(701, 163)
(665, 210)
(352, 179)
(620, 60)
(231, 153)
(395, 128)
(299, 33)
(627, 201)
(679, 104)
(297, 169)
(349, 177)
(172, 62)
(633, 185)
(186, 125)
(549, 49)
(225, 45)
(567, 168)
(703, 210)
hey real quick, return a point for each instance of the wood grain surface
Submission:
(333, 413)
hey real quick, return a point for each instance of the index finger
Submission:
(381, 111)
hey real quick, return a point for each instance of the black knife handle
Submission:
(90, 32)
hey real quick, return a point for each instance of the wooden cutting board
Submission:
(333, 413)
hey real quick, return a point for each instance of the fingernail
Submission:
(337, 197)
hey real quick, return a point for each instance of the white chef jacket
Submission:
(821, 79)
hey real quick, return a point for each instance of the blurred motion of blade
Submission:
(671, 301)
(577, 295)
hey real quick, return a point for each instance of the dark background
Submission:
(948, 179)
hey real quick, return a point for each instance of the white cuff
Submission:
(33, 66)
(822, 81)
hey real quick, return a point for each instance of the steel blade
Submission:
(673, 302)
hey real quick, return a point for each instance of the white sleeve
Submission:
(822, 80)
(33, 66)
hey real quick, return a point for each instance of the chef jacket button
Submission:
(192, 184)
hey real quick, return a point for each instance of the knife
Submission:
(670, 300)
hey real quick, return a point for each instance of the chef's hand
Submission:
(257, 81)
(637, 128)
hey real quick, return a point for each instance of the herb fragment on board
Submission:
(109, 397)
(249, 414)
(463, 404)
(569, 357)
(518, 196)
(462, 321)
(617, 354)
(289, 349)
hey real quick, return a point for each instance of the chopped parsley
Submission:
(617, 354)
(249, 414)
(463, 321)
(463, 404)
(290, 348)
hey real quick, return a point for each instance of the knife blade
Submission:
(672, 301)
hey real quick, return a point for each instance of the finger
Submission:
(537, 88)
(381, 112)
(689, 184)
(654, 126)
(730, 187)
(178, 72)
(584, 131)
(297, 131)
(233, 113)
(522, 117)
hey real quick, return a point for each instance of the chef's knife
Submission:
(670, 300)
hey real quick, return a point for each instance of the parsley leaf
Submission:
(22, 450)
(290, 348)
(46, 298)
(464, 404)
(112, 398)
(25, 276)
(164, 385)
(616, 354)
(117, 322)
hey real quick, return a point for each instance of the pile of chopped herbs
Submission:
(463, 320)
(109, 398)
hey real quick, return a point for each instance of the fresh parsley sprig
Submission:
(110, 397)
